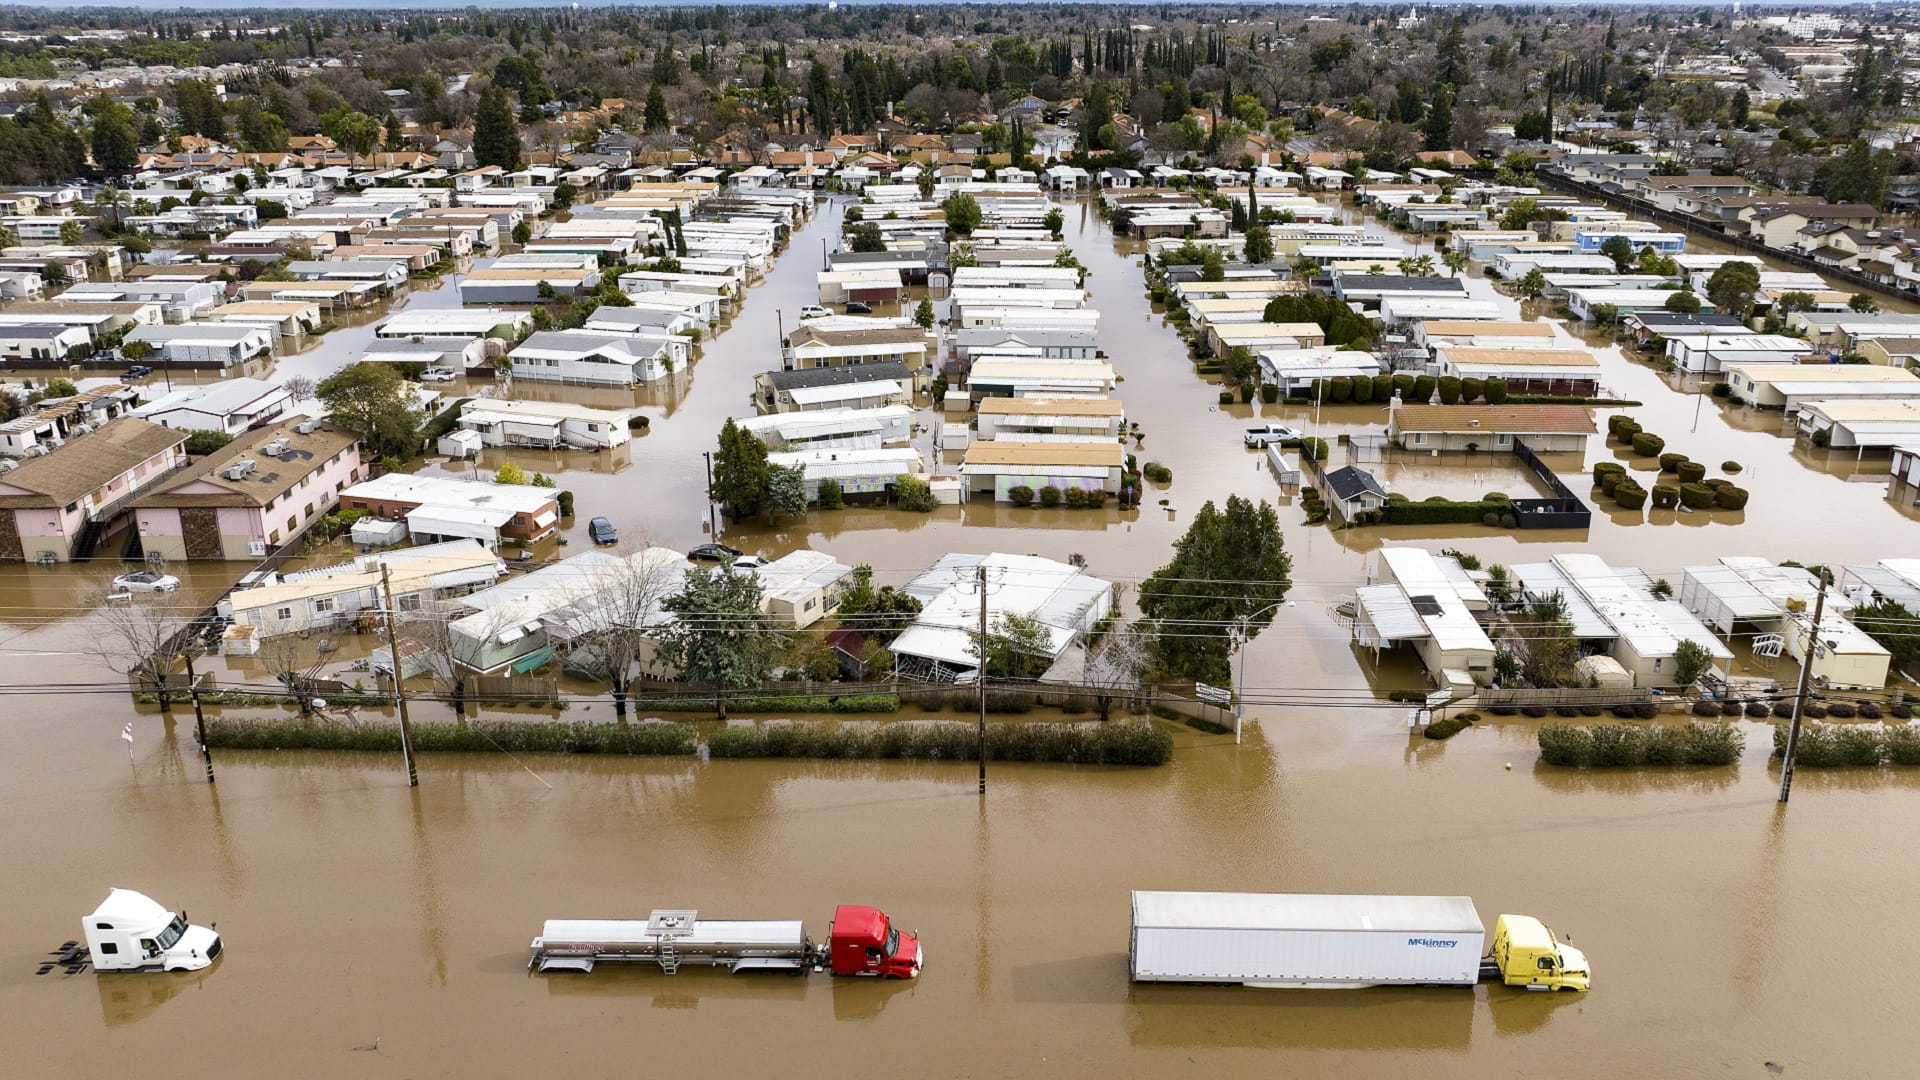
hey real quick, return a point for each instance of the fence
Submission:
(1695, 227)
(1569, 696)
(1564, 511)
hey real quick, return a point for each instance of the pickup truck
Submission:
(1267, 434)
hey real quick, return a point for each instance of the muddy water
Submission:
(360, 914)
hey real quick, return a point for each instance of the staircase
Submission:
(89, 541)
(669, 958)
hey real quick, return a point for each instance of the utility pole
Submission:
(1239, 686)
(199, 718)
(980, 581)
(1800, 698)
(399, 695)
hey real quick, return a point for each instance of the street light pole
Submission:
(1243, 624)
(980, 581)
(713, 522)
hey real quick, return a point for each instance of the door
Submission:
(200, 529)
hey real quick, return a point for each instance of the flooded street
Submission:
(380, 931)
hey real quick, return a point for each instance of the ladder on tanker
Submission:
(669, 924)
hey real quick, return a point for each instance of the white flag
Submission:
(127, 732)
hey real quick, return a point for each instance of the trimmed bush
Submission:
(1403, 385)
(1603, 469)
(1422, 389)
(1611, 482)
(1629, 495)
(1647, 444)
(1731, 498)
(1496, 391)
(1617, 745)
(1102, 744)
(1691, 472)
(1622, 427)
(1870, 711)
(1721, 389)
(1471, 389)
(1670, 461)
(1451, 726)
(1706, 708)
(1533, 712)
(1592, 710)
(1900, 710)
(1315, 447)
(1697, 496)
(1226, 397)
(1730, 467)
(1813, 710)
(1624, 712)
(1362, 389)
(1269, 393)
(1157, 472)
(1665, 496)
(1340, 390)
(479, 736)
(1020, 495)
(1049, 496)
(1449, 390)
(1842, 710)
(1758, 709)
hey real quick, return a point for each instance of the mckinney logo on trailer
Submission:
(1432, 943)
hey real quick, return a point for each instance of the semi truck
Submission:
(860, 941)
(130, 932)
(1324, 941)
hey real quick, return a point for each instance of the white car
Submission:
(146, 581)
(814, 311)
(749, 562)
(438, 375)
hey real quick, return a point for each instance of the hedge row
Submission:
(478, 736)
(767, 703)
(1827, 745)
(1694, 743)
(1103, 744)
(1443, 511)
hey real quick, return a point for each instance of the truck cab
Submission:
(130, 932)
(863, 941)
(1527, 955)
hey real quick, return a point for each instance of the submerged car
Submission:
(749, 562)
(146, 581)
(859, 307)
(603, 531)
(714, 553)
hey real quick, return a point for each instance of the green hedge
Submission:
(1697, 496)
(1828, 745)
(1647, 444)
(1665, 496)
(1104, 744)
(762, 703)
(1444, 512)
(1451, 726)
(1606, 745)
(478, 736)
(1690, 472)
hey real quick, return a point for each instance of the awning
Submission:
(546, 518)
(534, 660)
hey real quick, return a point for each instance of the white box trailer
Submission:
(1301, 940)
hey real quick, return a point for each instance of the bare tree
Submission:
(301, 387)
(147, 639)
(1115, 665)
(610, 634)
(455, 657)
(295, 666)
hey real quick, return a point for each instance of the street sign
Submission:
(1217, 695)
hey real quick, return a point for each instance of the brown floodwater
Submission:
(373, 929)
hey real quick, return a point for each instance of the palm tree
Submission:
(1456, 261)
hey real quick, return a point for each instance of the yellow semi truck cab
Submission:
(1527, 955)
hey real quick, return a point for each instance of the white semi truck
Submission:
(130, 932)
(1321, 941)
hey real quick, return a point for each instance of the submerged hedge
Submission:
(1104, 744)
(1606, 745)
(758, 703)
(1828, 745)
(477, 736)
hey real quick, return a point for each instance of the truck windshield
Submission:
(893, 942)
(171, 934)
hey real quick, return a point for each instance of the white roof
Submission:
(877, 388)
(1058, 595)
(443, 491)
(1304, 911)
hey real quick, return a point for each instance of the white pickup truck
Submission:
(1267, 434)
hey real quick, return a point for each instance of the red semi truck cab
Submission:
(863, 941)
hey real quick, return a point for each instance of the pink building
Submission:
(252, 495)
(63, 504)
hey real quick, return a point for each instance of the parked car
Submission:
(438, 375)
(603, 531)
(1267, 434)
(146, 581)
(859, 307)
(749, 562)
(814, 311)
(714, 553)
(137, 371)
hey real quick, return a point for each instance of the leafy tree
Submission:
(655, 117)
(1342, 325)
(786, 490)
(881, 614)
(1439, 123)
(522, 232)
(1524, 211)
(740, 472)
(116, 143)
(923, 315)
(563, 196)
(718, 636)
(1731, 287)
(912, 494)
(865, 237)
(962, 213)
(496, 135)
(610, 646)
(1548, 649)
(71, 231)
(1231, 568)
(1620, 249)
(1863, 303)
(1259, 248)
(1055, 222)
(509, 473)
(1895, 627)
(1682, 302)
(1018, 647)
(373, 402)
(57, 387)
(1531, 284)
(1690, 661)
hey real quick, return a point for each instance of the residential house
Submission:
(1785, 386)
(335, 597)
(229, 406)
(1555, 429)
(801, 587)
(1430, 602)
(61, 505)
(549, 425)
(852, 386)
(1353, 491)
(1710, 353)
(216, 346)
(1036, 419)
(1000, 465)
(1063, 600)
(815, 346)
(1616, 611)
(584, 356)
(254, 495)
(1779, 225)
(442, 508)
(1571, 371)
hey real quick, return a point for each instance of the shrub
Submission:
(1102, 744)
(1605, 468)
(1245, 393)
(1670, 461)
(1645, 710)
(1449, 390)
(1691, 472)
(1509, 521)
(1647, 444)
(1665, 496)
(1900, 710)
(1226, 397)
(1340, 390)
(1533, 712)
(1592, 710)
(1490, 519)
(1611, 482)
(1566, 711)
(1496, 391)
(1842, 710)
(1563, 744)
(1020, 495)
(1157, 472)
(1422, 389)
(478, 736)
(1731, 498)
(1363, 389)
(913, 495)
(1814, 710)
(1498, 498)
(1721, 389)
(1615, 745)
(1624, 712)
(1870, 711)
(1449, 727)
(1505, 710)
(1471, 389)
(1269, 393)
(1315, 447)
(1730, 467)
(1049, 496)
(1403, 385)
(832, 495)
(1783, 709)
(1622, 427)
(1758, 709)
(1076, 498)
(1706, 708)
(1629, 495)
(1697, 496)
(1902, 744)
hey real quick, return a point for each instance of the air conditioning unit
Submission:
(276, 447)
(306, 427)
(256, 548)
(238, 470)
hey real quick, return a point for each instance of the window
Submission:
(359, 504)
(323, 605)
(290, 523)
(273, 537)
(109, 948)
(410, 602)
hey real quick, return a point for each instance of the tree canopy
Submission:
(1231, 565)
(375, 403)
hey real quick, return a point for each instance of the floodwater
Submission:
(377, 930)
